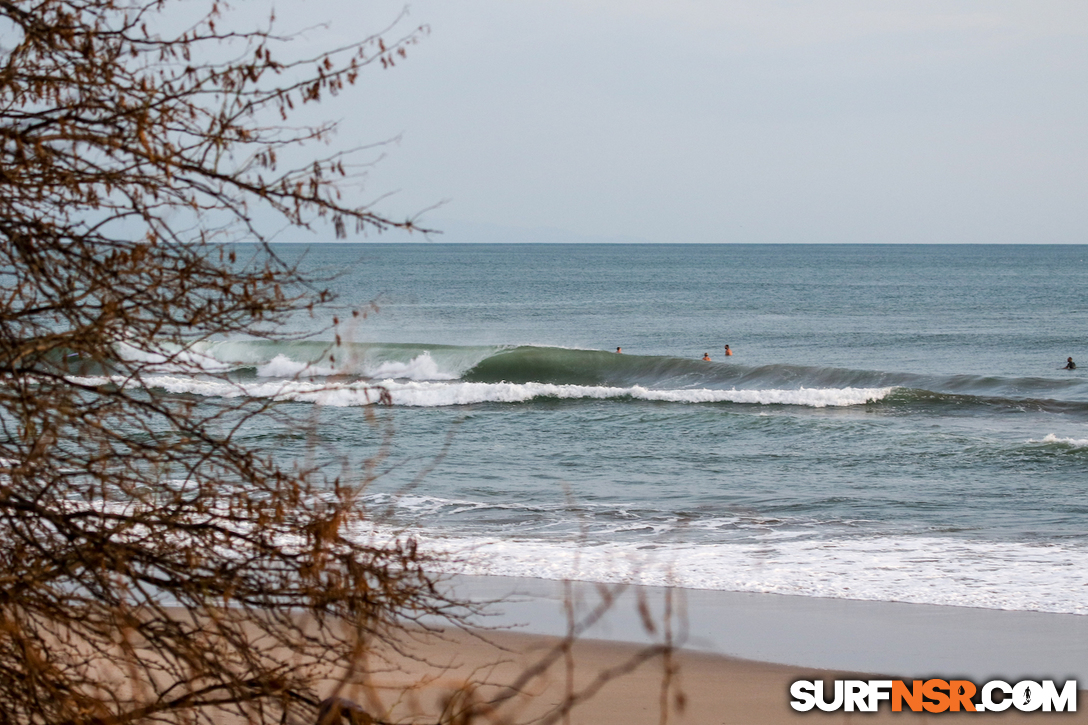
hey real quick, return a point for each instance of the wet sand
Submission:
(736, 657)
(715, 689)
(778, 639)
(911, 640)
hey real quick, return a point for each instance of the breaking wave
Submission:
(445, 375)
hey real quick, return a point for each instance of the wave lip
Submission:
(282, 366)
(312, 359)
(597, 368)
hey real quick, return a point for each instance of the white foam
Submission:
(921, 570)
(1071, 442)
(282, 366)
(432, 394)
(220, 357)
(172, 359)
(291, 390)
(421, 367)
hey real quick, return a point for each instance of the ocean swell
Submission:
(443, 375)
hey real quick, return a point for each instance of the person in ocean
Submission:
(706, 356)
(619, 350)
(728, 352)
(1069, 364)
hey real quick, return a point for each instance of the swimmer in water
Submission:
(619, 350)
(728, 352)
(706, 356)
(1069, 364)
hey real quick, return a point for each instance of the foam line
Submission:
(920, 570)
(436, 394)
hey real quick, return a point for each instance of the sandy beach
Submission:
(850, 635)
(716, 689)
(520, 677)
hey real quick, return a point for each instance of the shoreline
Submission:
(906, 640)
(411, 679)
(715, 689)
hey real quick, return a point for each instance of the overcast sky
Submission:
(717, 121)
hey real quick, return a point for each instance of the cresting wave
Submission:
(437, 375)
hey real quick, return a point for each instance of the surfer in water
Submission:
(728, 352)
(1069, 364)
(619, 350)
(706, 356)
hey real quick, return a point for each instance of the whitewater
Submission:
(893, 426)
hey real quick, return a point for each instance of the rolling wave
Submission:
(446, 375)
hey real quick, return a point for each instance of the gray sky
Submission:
(761, 121)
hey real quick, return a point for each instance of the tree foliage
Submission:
(153, 566)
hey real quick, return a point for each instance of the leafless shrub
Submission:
(153, 566)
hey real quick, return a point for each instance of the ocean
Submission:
(894, 424)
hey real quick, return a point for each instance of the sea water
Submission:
(894, 423)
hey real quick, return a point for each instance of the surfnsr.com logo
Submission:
(934, 696)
